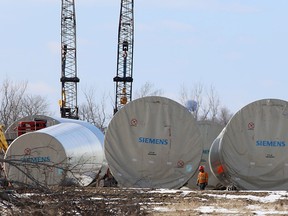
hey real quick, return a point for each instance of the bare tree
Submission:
(11, 96)
(203, 107)
(224, 116)
(147, 90)
(34, 105)
(195, 95)
(15, 104)
(92, 112)
(213, 104)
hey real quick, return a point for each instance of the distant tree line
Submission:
(204, 104)
(16, 103)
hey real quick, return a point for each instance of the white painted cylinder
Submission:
(153, 142)
(251, 151)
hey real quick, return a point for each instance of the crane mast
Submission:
(69, 79)
(123, 79)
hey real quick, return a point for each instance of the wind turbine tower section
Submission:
(69, 79)
(123, 80)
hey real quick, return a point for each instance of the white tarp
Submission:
(153, 142)
(251, 151)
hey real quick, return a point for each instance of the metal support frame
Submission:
(69, 79)
(124, 78)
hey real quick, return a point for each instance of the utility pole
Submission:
(69, 79)
(124, 79)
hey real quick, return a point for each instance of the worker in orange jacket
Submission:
(202, 180)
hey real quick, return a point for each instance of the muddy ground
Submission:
(116, 201)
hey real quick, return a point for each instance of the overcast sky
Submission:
(240, 47)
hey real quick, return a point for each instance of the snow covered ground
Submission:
(211, 202)
(139, 201)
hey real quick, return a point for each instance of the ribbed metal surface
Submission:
(47, 153)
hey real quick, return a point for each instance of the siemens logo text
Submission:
(153, 141)
(270, 143)
(36, 159)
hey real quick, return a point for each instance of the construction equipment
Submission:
(3, 141)
(124, 78)
(69, 79)
(28, 126)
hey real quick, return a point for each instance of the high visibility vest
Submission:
(202, 177)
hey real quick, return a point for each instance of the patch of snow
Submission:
(270, 212)
(185, 188)
(184, 193)
(258, 210)
(272, 197)
(253, 207)
(212, 209)
(26, 195)
(163, 209)
(165, 191)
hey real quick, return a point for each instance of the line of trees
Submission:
(204, 104)
(16, 103)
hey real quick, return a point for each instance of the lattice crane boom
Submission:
(124, 78)
(69, 79)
